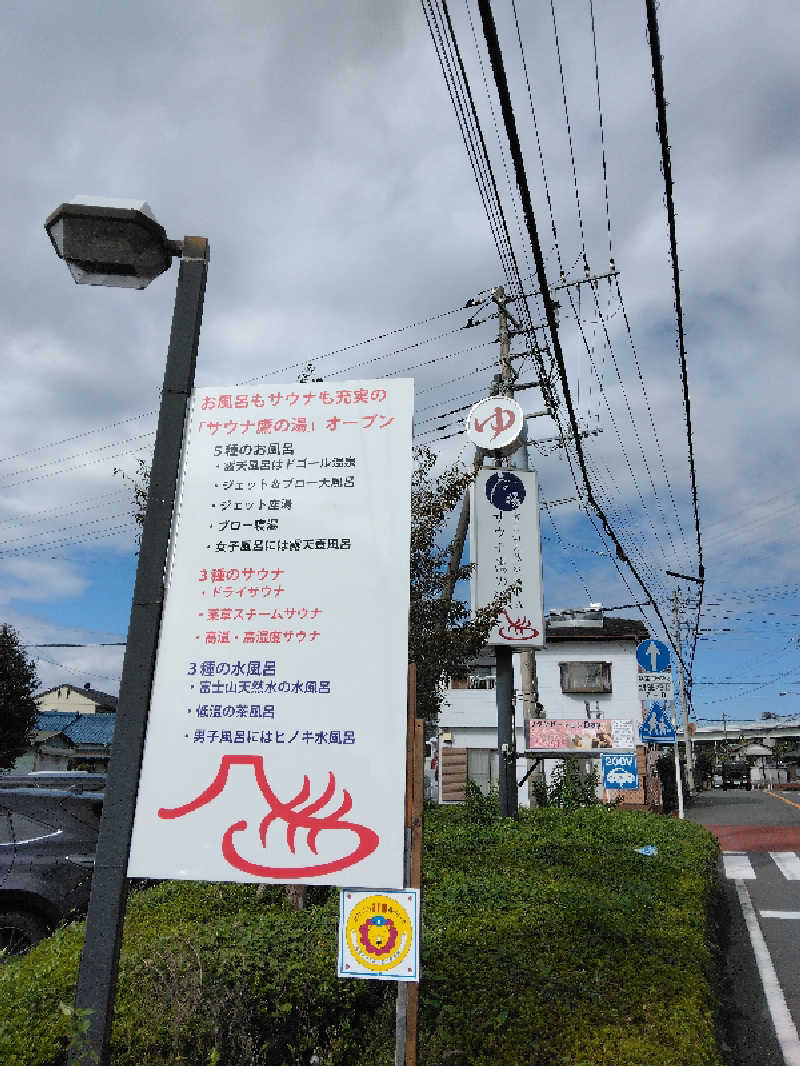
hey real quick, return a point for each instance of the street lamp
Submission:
(120, 243)
(110, 242)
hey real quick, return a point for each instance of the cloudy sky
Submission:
(316, 146)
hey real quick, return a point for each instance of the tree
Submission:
(140, 484)
(18, 682)
(442, 637)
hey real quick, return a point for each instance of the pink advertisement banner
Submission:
(569, 734)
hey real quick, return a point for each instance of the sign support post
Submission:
(687, 740)
(97, 976)
(407, 1007)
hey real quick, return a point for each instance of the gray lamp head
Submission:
(109, 242)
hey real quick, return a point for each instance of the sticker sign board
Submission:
(656, 686)
(275, 747)
(379, 935)
(506, 551)
(587, 734)
(620, 771)
(496, 424)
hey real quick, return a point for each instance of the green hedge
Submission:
(547, 941)
(555, 942)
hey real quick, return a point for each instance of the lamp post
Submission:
(119, 243)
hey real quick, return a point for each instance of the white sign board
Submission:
(496, 424)
(275, 746)
(506, 551)
(656, 686)
(379, 935)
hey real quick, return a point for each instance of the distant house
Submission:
(73, 731)
(587, 670)
(68, 741)
(86, 700)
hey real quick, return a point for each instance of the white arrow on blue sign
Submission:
(653, 655)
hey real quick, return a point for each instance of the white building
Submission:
(587, 670)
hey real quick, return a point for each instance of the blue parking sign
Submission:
(620, 771)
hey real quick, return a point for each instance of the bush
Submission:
(481, 809)
(569, 787)
(546, 941)
(209, 974)
(553, 941)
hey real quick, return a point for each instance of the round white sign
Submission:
(496, 424)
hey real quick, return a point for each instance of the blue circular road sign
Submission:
(653, 655)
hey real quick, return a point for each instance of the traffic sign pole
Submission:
(678, 782)
(686, 737)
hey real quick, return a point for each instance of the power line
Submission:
(666, 166)
(498, 69)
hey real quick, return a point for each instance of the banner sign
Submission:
(656, 686)
(620, 771)
(506, 552)
(567, 734)
(275, 747)
(379, 935)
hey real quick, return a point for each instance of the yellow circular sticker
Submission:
(379, 932)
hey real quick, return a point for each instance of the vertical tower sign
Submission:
(275, 745)
(505, 549)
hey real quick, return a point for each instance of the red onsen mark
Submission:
(517, 628)
(295, 819)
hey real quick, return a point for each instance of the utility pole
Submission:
(504, 662)
(504, 685)
(459, 539)
(686, 737)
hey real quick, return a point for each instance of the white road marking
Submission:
(737, 866)
(776, 1001)
(792, 915)
(788, 863)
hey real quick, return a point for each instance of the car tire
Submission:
(20, 930)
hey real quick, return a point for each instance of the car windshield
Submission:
(16, 829)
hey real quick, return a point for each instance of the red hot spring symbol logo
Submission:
(305, 819)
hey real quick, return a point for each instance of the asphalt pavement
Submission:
(759, 921)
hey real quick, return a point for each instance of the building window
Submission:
(585, 677)
(481, 677)
(483, 768)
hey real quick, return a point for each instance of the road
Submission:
(759, 835)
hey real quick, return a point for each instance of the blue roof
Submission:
(78, 728)
(91, 729)
(54, 721)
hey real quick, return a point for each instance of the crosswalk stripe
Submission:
(737, 866)
(792, 915)
(788, 863)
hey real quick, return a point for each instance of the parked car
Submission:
(48, 834)
(736, 775)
